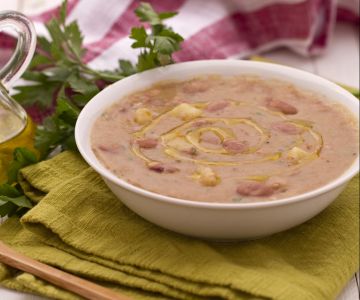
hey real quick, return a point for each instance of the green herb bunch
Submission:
(58, 76)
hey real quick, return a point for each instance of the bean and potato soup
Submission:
(226, 139)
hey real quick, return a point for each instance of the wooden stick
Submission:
(57, 277)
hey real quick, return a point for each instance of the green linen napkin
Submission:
(79, 226)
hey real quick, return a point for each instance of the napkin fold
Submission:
(79, 226)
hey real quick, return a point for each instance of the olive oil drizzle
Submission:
(190, 133)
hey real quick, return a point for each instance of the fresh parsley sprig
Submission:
(158, 46)
(58, 77)
(57, 73)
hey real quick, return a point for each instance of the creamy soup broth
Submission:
(226, 139)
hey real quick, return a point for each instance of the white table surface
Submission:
(340, 63)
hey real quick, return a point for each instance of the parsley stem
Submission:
(101, 75)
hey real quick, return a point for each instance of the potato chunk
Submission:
(143, 116)
(207, 176)
(186, 112)
(183, 146)
(296, 155)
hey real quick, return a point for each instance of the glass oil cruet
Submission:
(16, 127)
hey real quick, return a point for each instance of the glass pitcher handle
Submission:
(25, 47)
(19, 61)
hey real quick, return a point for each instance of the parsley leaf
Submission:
(159, 44)
(20, 201)
(9, 206)
(139, 35)
(58, 129)
(22, 158)
(75, 39)
(126, 67)
(146, 13)
(146, 61)
(82, 85)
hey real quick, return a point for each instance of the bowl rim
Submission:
(346, 176)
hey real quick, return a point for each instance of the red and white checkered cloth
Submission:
(211, 28)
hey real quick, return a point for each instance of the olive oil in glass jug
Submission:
(16, 127)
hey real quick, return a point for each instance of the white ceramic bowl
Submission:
(215, 220)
